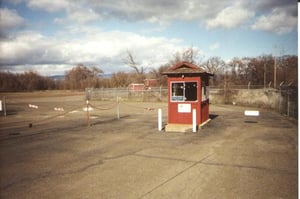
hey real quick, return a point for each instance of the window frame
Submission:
(205, 91)
(179, 98)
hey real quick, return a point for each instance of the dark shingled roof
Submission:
(185, 68)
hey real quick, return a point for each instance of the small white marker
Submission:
(251, 113)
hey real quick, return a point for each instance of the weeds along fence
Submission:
(228, 93)
(283, 100)
(154, 94)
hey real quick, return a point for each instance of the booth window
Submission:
(184, 91)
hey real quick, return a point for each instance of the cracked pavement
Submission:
(129, 158)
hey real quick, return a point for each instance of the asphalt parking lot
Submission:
(231, 157)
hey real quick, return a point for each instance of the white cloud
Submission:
(104, 49)
(278, 21)
(83, 16)
(78, 42)
(43, 69)
(29, 48)
(160, 12)
(230, 17)
(9, 19)
(78, 14)
(49, 5)
(152, 11)
(212, 14)
(214, 46)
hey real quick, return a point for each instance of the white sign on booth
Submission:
(184, 108)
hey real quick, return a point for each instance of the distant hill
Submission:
(57, 77)
(106, 75)
(61, 77)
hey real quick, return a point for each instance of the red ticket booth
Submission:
(187, 90)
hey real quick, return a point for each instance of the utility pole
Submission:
(275, 72)
(275, 67)
(265, 74)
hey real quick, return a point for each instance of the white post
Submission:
(194, 121)
(4, 105)
(159, 119)
(87, 114)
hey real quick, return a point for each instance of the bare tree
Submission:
(130, 61)
(96, 71)
(27, 81)
(81, 77)
(190, 55)
(238, 71)
(140, 70)
(157, 74)
(119, 79)
(216, 66)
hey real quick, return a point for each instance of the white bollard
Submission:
(118, 107)
(194, 121)
(159, 119)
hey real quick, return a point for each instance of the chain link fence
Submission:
(288, 103)
(153, 94)
(284, 100)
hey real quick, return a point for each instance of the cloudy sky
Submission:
(52, 36)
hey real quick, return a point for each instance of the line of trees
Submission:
(239, 71)
(27, 81)
(260, 70)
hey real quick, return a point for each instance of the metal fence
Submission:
(150, 94)
(288, 103)
(238, 87)
(286, 99)
(145, 95)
